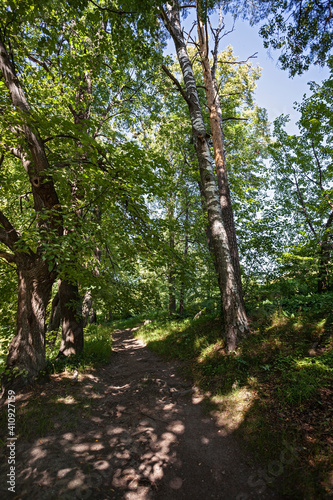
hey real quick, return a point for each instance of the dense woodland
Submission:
(137, 183)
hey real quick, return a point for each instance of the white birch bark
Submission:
(236, 325)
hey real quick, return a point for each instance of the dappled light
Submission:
(134, 430)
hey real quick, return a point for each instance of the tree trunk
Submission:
(55, 316)
(235, 320)
(71, 314)
(86, 307)
(26, 354)
(27, 349)
(171, 263)
(182, 285)
(215, 117)
(93, 317)
(324, 259)
(171, 277)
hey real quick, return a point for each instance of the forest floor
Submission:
(133, 429)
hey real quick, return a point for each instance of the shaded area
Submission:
(276, 392)
(130, 430)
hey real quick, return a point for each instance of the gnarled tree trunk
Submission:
(27, 350)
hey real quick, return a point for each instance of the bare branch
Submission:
(189, 33)
(40, 63)
(231, 93)
(61, 136)
(233, 118)
(216, 34)
(254, 56)
(176, 82)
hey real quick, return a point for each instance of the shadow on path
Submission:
(131, 430)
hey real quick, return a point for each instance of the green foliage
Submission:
(274, 385)
(97, 351)
(303, 32)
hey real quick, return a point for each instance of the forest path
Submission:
(130, 430)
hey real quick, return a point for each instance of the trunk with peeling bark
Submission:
(71, 317)
(27, 350)
(215, 117)
(235, 320)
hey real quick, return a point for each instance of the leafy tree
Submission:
(303, 30)
(303, 184)
(59, 107)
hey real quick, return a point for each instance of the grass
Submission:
(62, 406)
(275, 391)
(97, 351)
(277, 387)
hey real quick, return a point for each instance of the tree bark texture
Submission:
(215, 117)
(71, 318)
(26, 354)
(235, 320)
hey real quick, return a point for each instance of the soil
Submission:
(133, 429)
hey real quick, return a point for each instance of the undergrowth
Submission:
(277, 387)
(97, 351)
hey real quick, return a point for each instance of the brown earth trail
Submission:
(130, 430)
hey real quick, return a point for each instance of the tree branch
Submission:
(329, 221)
(254, 56)
(9, 257)
(176, 82)
(40, 63)
(233, 118)
(8, 234)
(301, 200)
(120, 12)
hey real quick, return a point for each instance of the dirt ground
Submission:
(132, 430)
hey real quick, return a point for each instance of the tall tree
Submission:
(45, 60)
(302, 179)
(236, 325)
(215, 117)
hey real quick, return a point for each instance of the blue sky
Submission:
(276, 91)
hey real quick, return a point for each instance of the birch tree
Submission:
(235, 320)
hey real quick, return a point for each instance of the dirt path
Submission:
(131, 430)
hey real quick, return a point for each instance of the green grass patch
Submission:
(97, 351)
(275, 388)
